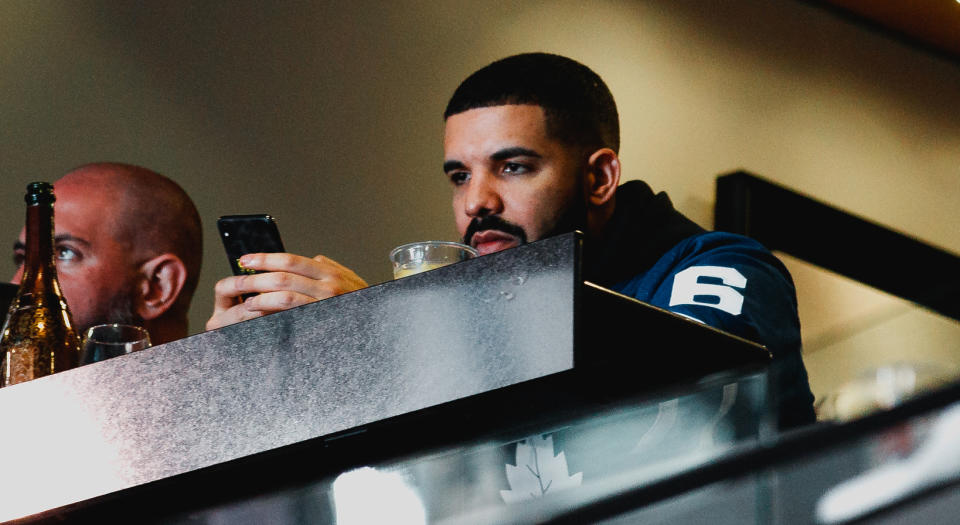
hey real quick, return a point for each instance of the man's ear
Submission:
(162, 278)
(603, 177)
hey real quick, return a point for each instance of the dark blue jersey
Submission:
(733, 283)
(727, 281)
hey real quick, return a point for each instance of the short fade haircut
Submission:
(577, 105)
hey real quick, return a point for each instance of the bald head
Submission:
(128, 248)
(148, 213)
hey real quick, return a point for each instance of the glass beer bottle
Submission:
(39, 337)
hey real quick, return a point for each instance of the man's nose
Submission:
(483, 197)
(17, 276)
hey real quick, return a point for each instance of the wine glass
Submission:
(104, 341)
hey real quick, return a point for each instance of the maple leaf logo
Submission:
(537, 471)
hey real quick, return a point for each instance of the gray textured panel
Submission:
(312, 371)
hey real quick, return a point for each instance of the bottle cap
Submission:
(39, 193)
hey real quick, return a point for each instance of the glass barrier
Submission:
(907, 472)
(528, 473)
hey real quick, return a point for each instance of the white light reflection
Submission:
(44, 466)
(366, 495)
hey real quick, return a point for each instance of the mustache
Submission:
(493, 222)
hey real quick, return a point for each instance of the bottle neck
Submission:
(38, 259)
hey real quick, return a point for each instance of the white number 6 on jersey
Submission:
(687, 288)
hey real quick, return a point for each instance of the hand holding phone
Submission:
(243, 234)
(298, 280)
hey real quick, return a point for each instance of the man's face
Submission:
(93, 267)
(512, 183)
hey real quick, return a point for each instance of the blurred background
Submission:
(328, 115)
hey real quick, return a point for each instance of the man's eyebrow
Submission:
(17, 245)
(503, 154)
(67, 237)
(451, 165)
(516, 151)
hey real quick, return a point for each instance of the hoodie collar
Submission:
(644, 226)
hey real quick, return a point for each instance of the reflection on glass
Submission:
(366, 495)
(881, 388)
(582, 460)
(529, 474)
(851, 331)
(624, 450)
(537, 471)
(936, 460)
(85, 450)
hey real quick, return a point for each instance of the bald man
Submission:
(128, 248)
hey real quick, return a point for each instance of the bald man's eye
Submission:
(18, 258)
(67, 254)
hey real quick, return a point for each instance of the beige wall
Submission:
(327, 115)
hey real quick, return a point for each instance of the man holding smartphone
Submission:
(531, 150)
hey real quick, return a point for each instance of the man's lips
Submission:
(489, 241)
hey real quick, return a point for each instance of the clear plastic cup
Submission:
(417, 257)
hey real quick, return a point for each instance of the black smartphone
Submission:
(242, 234)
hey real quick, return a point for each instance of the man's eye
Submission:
(18, 258)
(459, 177)
(66, 254)
(513, 167)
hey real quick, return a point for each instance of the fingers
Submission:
(318, 267)
(227, 308)
(326, 277)
(227, 290)
(221, 299)
(277, 301)
(291, 280)
(257, 306)
(232, 315)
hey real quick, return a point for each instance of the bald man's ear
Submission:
(162, 278)
(603, 177)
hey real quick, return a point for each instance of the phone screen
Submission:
(242, 234)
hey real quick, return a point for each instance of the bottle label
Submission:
(25, 361)
(33, 336)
